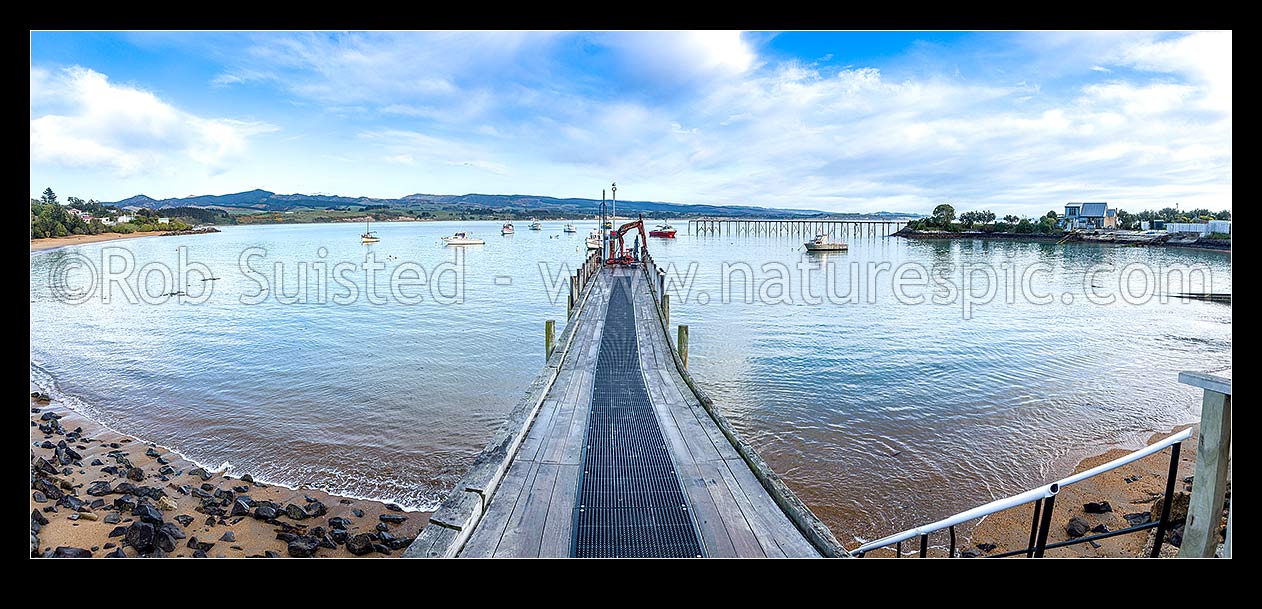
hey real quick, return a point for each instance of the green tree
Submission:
(1223, 215)
(1011, 219)
(49, 196)
(944, 215)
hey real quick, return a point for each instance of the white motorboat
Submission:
(507, 229)
(570, 228)
(462, 238)
(821, 244)
(593, 239)
(535, 225)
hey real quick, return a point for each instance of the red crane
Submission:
(623, 256)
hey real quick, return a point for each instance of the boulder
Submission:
(360, 544)
(1077, 526)
(66, 552)
(140, 535)
(1097, 507)
(295, 512)
(303, 547)
(395, 518)
(147, 513)
(264, 512)
(228, 536)
(240, 508)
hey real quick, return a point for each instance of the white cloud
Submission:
(81, 119)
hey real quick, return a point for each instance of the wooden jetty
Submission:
(544, 487)
(836, 227)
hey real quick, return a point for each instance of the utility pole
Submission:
(604, 235)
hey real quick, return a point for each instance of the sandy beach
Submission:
(56, 242)
(96, 492)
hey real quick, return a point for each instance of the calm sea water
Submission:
(881, 411)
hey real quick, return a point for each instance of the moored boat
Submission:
(369, 236)
(593, 239)
(535, 225)
(821, 244)
(664, 231)
(570, 228)
(462, 238)
(507, 229)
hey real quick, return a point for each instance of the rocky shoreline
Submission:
(99, 493)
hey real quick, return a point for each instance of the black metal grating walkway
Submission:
(630, 502)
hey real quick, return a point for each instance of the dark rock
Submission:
(38, 518)
(210, 521)
(208, 487)
(108, 545)
(42, 465)
(1094, 544)
(395, 518)
(970, 554)
(358, 513)
(327, 542)
(383, 527)
(164, 541)
(1077, 526)
(345, 501)
(166, 470)
(125, 488)
(197, 492)
(393, 508)
(184, 520)
(228, 536)
(271, 554)
(380, 549)
(117, 553)
(39, 497)
(240, 508)
(96, 462)
(360, 544)
(1099, 528)
(71, 502)
(337, 522)
(264, 512)
(199, 545)
(119, 531)
(1138, 518)
(1175, 538)
(196, 471)
(112, 518)
(247, 478)
(286, 537)
(199, 554)
(1097, 507)
(147, 513)
(303, 547)
(150, 452)
(986, 547)
(241, 489)
(65, 552)
(97, 504)
(315, 509)
(125, 503)
(136, 473)
(140, 535)
(172, 529)
(52, 491)
(97, 489)
(309, 498)
(183, 489)
(339, 535)
(295, 512)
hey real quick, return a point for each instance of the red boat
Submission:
(664, 231)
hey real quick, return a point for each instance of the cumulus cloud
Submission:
(81, 119)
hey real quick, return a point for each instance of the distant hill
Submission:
(262, 200)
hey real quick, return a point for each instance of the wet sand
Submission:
(1010, 529)
(88, 527)
(56, 242)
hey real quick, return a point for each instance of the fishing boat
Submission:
(570, 228)
(664, 231)
(462, 238)
(507, 229)
(368, 236)
(535, 225)
(821, 244)
(593, 239)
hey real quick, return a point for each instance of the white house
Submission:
(125, 218)
(164, 220)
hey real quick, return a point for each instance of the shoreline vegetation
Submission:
(49, 243)
(1205, 244)
(99, 493)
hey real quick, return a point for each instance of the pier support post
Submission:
(666, 308)
(681, 345)
(549, 338)
(1213, 459)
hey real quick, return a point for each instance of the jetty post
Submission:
(1213, 464)
(549, 337)
(681, 344)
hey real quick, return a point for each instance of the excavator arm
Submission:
(623, 256)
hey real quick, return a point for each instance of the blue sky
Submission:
(840, 121)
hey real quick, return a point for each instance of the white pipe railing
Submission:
(1036, 494)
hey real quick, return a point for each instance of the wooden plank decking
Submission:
(531, 513)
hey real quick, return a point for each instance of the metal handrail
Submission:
(1045, 497)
